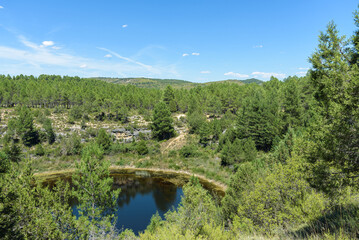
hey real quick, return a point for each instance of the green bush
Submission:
(76, 113)
(280, 200)
(39, 150)
(189, 151)
(141, 148)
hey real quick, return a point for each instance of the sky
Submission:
(194, 40)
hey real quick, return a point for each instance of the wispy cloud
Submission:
(267, 75)
(1, 7)
(205, 72)
(35, 59)
(56, 47)
(147, 67)
(195, 54)
(258, 46)
(124, 26)
(302, 68)
(185, 55)
(237, 75)
(108, 56)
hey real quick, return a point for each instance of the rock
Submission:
(119, 130)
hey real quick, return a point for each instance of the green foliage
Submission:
(31, 211)
(195, 121)
(162, 122)
(141, 147)
(71, 145)
(243, 180)
(103, 139)
(39, 150)
(4, 163)
(335, 135)
(156, 221)
(169, 98)
(197, 209)
(75, 113)
(205, 133)
(25, 127)
(189, 151)
(13, 151)
(241, 150)
(260, 116)
(50, 134)
(93, 189)
(273, 203)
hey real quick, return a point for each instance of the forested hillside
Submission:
(163, 83)
(288, 152)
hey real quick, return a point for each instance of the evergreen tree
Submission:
(162, 122)
(103, 139)
(50, 134)
(335, 155)
(25, 127)
(141, 148)
(205, 132)
(93, 185)
(169, 98)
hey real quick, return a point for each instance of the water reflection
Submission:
(140, 198)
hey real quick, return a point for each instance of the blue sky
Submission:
(195, 40)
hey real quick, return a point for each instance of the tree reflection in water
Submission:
(141, 197)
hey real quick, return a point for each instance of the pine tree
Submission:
(103, 139)
(162, 122)
(335, 79)
(93, 185)
(50, 134)
(25, 127)
(169, 98)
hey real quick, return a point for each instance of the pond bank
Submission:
(176, 177)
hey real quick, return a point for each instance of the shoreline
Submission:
(178, 176)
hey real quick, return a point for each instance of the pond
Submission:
(143, 193)
(140, 198)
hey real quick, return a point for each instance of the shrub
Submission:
(39, 150)
(189, 151)
(141, 148)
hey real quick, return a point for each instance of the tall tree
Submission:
(25, 127)
(50, 134)
(93, 185)
(336, 84)
(162, 122)
(169, 98)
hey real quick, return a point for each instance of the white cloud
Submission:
(268, 75)
(56, 47)
(124, 26)
(301, 68)
(108, 56)
(205, 72)
(237, 75)
(301, 74)
(47, 43)
(83, 66)
(1, 7)
(185, 55)
(258, 46)
(195, 54)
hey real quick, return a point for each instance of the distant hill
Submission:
(240, 82)
(162, 83)
(150, 82)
